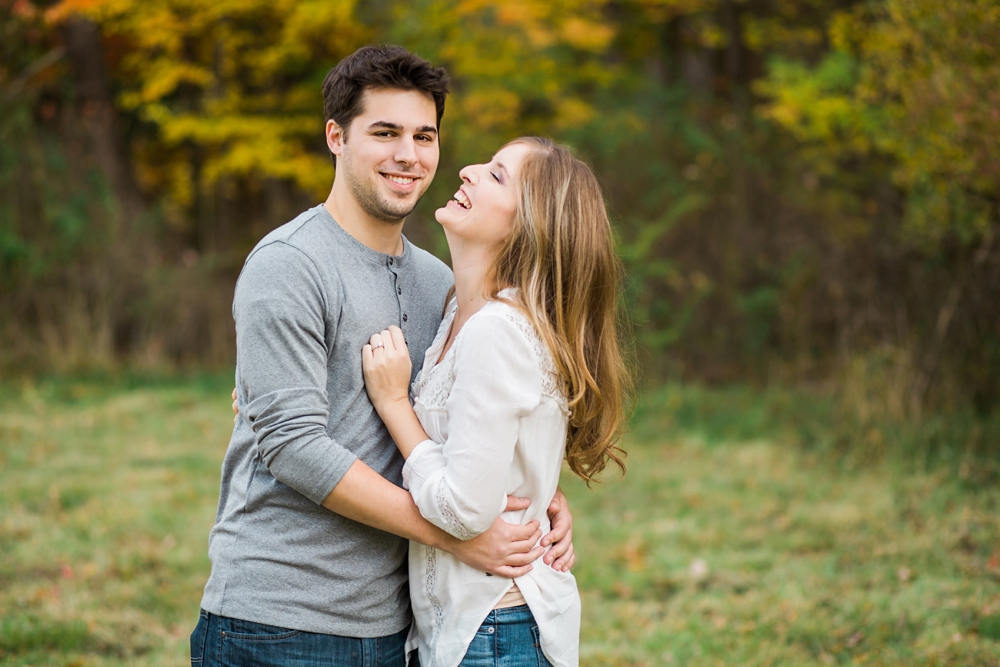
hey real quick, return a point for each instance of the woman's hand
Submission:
(386, 365)
(385, 362)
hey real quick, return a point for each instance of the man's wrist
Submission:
(438, 539)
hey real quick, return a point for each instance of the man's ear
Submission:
(334, 137)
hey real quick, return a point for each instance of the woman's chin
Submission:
(443, 215)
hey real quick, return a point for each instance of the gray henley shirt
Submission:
(309, 297)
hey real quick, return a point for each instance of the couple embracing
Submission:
(343, 505)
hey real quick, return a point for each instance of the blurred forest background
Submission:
(806, 195)
(806, 192)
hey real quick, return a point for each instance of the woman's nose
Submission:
(468, 173)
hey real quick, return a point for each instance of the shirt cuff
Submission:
(424, 459)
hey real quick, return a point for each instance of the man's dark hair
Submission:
(374, 67)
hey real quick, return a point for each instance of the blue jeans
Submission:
(219, 641)
(507, 638)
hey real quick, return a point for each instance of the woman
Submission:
(525, 370)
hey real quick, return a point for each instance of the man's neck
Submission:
(381, 236)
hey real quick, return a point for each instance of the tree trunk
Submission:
(84, 48)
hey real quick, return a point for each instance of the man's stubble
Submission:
(371, 201)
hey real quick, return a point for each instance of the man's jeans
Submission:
(218, 641)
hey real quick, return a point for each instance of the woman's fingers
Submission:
(390, 340)
(398, 340)
(386, 367)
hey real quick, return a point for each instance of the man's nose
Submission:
(406, 151)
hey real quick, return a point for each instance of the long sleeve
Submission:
(460, 485)
(280, 310)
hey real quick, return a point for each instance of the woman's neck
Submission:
(470, 265)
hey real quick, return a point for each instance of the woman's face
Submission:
(482, 211)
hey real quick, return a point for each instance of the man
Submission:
(309, 547)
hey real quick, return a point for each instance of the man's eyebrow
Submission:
(388, 125)
(385, 125)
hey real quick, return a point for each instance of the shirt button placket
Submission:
(399, 290)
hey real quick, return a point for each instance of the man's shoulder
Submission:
(297, 233)
(286, 257)
(426, 264)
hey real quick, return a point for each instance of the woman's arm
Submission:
(460, 485)
(387, 372)
(385, 362)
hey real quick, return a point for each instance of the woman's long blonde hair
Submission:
(560, 256)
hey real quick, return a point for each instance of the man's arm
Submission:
(499, 550)
(365, 496)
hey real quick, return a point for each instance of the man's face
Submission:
(390, 153)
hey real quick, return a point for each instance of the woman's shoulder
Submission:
(505, 314)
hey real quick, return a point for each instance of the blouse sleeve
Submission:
(461, 485)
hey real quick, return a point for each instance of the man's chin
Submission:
(392, 216)
(395, 214)
(383, 212)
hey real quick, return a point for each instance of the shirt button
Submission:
(399, 290)
(404, 317)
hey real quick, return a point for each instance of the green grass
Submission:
(107, 494)
(747, 532)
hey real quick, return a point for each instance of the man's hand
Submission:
(560, 555)
(506, 549)
(236, 407)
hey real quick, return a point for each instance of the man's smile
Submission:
(400, 180)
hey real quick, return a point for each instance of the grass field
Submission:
(726, 544)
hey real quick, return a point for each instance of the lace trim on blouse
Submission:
(458, 529)
(424, 374)
(430, 581)
(432, 386)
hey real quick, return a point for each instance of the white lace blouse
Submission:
(496, 420)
